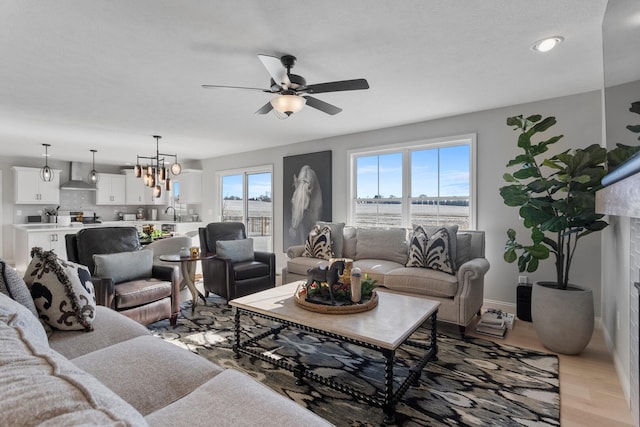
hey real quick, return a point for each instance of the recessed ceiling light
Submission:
(545, 45)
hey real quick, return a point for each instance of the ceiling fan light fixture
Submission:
(288, 104)
(545, 45)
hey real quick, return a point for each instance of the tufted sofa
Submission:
(383, 255)
(120, 375)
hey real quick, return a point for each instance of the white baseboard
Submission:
(617, 364)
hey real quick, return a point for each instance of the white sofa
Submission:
(120, 375)
(383, 253)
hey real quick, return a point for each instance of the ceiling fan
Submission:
(293, 90)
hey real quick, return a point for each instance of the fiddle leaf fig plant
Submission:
(555, 197)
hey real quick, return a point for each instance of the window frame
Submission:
(406, 148)
(245, 172)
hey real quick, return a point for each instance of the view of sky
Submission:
(259, 184)
(383, 174)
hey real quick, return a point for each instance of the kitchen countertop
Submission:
(76, 226)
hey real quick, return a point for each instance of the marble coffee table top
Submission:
(388, 325)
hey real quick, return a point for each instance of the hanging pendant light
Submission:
(46, 173)
(156, 173)
(93, 175)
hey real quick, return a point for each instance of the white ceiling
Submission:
(108, 74)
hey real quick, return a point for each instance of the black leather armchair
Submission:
(143, 299)
(230, 279)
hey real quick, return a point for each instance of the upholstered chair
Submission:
(124, 276)
(237, 270)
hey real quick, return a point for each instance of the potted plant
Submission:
(556, 201)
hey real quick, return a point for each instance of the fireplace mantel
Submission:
(622, 198)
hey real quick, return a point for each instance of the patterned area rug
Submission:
(474, 383)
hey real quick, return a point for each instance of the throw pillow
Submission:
(318, 243)
(240, 250)
(388, 244)
(463, 249)
(61, 290)
(417, 247)
(452, 230)
(337, 236)
(12, 285)
(124, 266)
(437, 252)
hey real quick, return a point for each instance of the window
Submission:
(429, 183)
(246, 198)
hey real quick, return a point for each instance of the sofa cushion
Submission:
(384, 244)
(376, 268)
(151, 373)
(61, 290)
(109, 327)
(139, 292)
(250, 270)
(240, 401)
(417, 245)
(124, 266)
(349, 246)
(41, 387)
(437, 255)
(22, 319)
(463, 248)
(12, 285)
(300, 265)
(237, 250)
(422, 281)
(337, 236)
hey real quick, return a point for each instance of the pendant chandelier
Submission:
(156, 172)
(46, 173)
(93, 175)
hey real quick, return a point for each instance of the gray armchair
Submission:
(232, 274)
(144, 296)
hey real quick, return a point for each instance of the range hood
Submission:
(76, 182)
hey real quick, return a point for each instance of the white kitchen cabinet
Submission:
(139, 194)
(49, 238)
(30, 189)
(110, 189)
(190, 188)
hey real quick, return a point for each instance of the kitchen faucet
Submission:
(175, 218)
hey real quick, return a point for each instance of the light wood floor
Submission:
(590, 392)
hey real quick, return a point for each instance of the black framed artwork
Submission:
(306, 196)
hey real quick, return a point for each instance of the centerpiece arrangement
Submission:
(330, 290)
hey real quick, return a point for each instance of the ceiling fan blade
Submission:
(357, 84)
(265, 108)
(235, 87)
(322, 106)
(276, 70)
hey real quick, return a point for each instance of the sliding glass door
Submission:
(246, 198)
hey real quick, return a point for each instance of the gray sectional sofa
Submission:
(383, 255)
(120, 375)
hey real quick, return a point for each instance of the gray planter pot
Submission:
(563, 319)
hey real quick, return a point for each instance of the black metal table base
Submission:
(387, 399)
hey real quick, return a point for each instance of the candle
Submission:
(356, 289)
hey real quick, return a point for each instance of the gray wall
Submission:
(579, 119)
(618, 272)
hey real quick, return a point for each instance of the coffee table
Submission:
(384, 328)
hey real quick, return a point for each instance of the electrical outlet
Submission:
(523, 280)
(19, 212)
